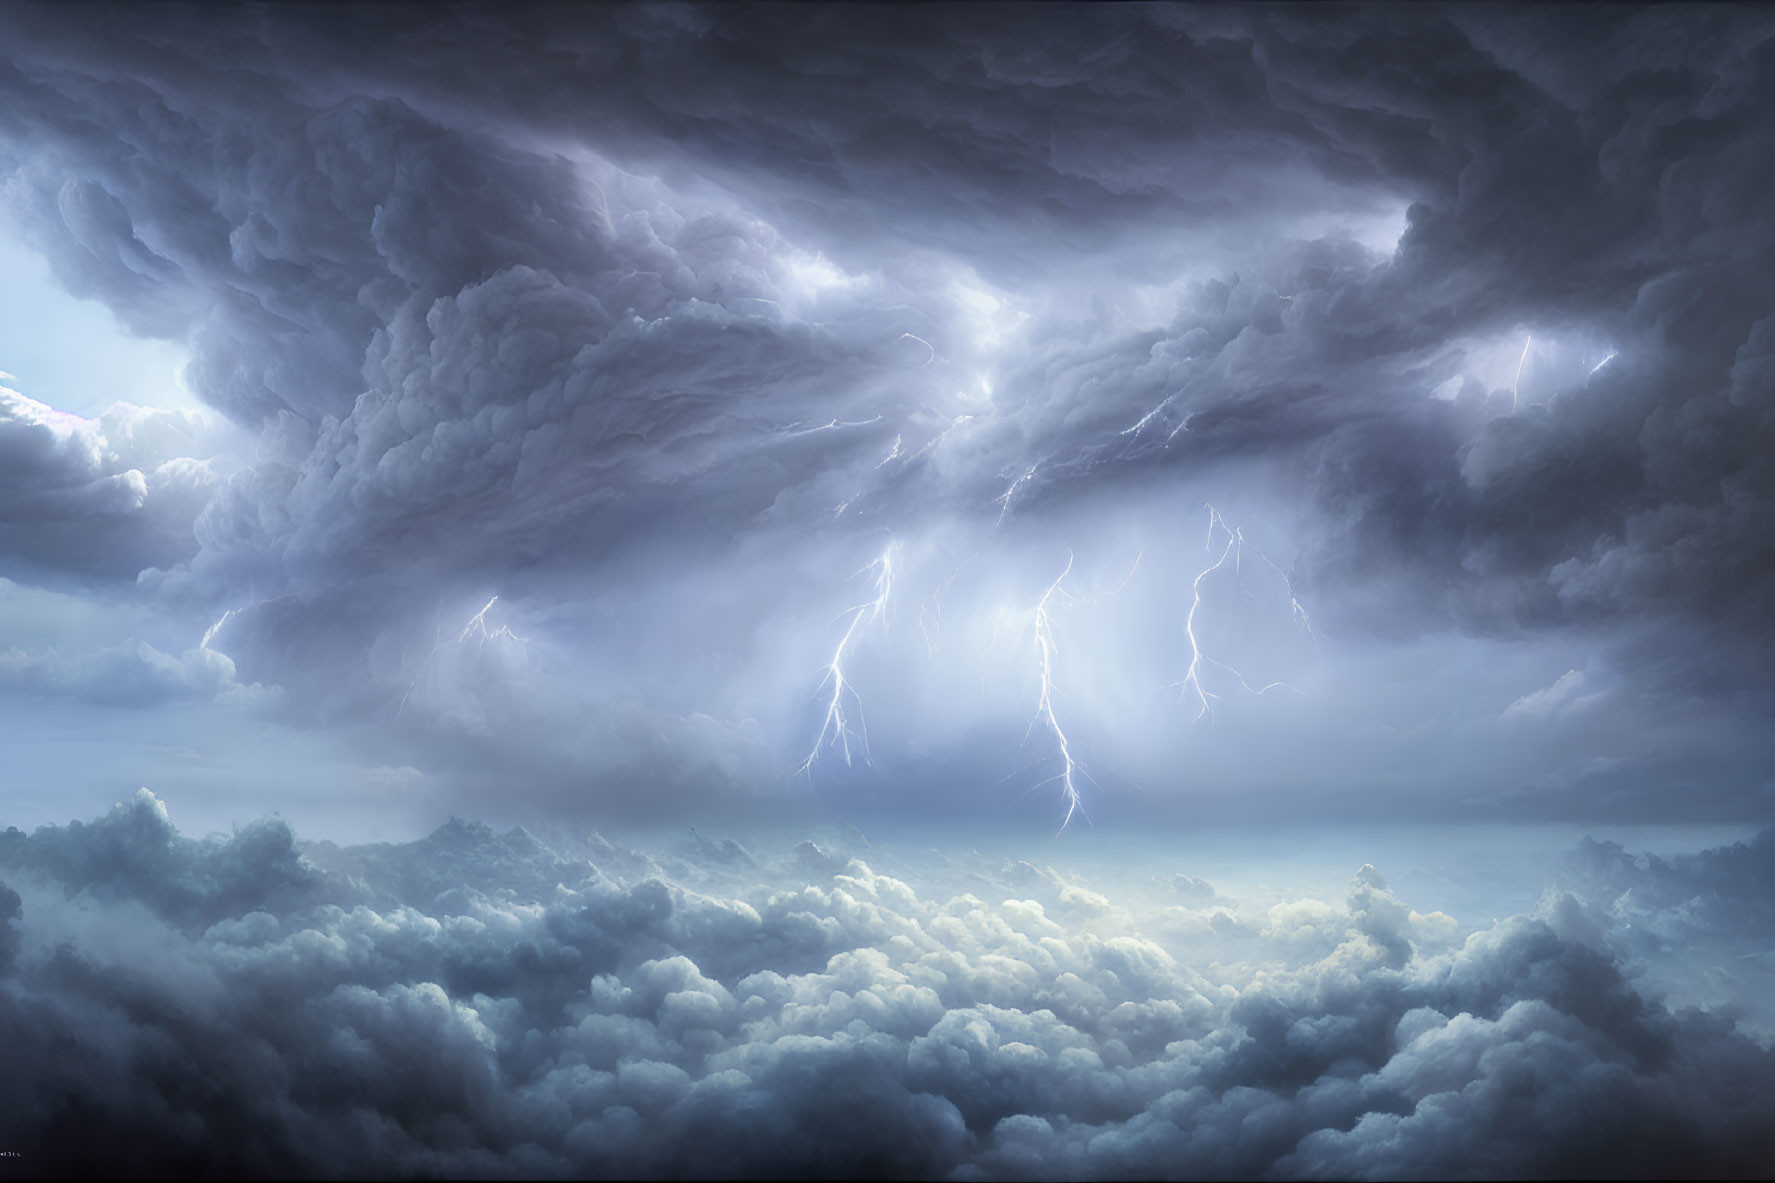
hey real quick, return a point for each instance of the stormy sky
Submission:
(1024, 390)
(742, 590)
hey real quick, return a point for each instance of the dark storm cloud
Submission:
(481, 1004)
(970, 126)
(539, 301)
(460, 350)
(1621, 202)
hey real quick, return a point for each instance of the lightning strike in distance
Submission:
(1070, 770)
(1233, 549)
(837, 729)
(1517, 382)
(1004, 499)
(476, 628)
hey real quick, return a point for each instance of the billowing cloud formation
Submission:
(100, 498)
(657, 323)
(483, 1004)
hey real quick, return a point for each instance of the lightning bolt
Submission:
(1070, 771)
(894, 453)
(1182, 424)
(1149, 417)
(210, 633)
(1295, 608)
(1004, 499)
(475, 628)
(940, 436)
(1233, 549)
(795, 430)
(1605, 361)
(836, 730)
(417, 674)
(1518, 380)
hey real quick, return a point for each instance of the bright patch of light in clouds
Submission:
(71, 353)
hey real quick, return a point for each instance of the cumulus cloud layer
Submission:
(478, 1003)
